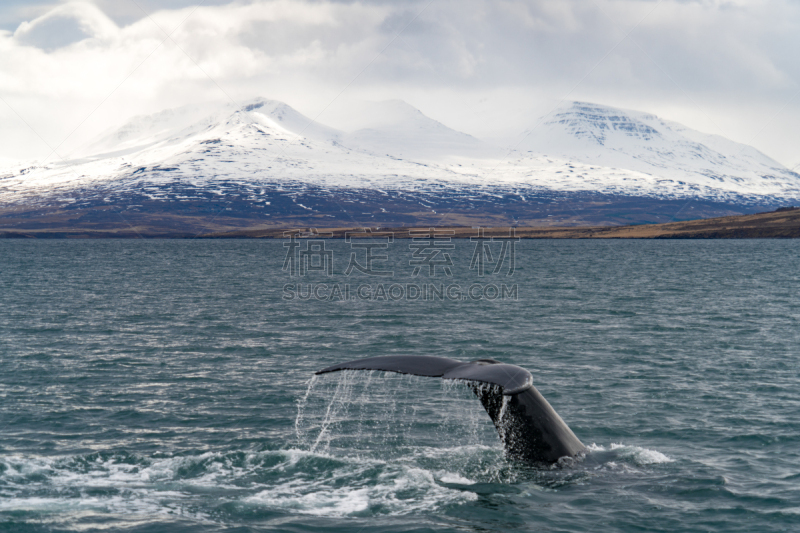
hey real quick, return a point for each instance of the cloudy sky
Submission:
(70, 70)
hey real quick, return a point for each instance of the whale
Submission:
(528, 426)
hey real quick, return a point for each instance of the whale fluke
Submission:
(529, 427)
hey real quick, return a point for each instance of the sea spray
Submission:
(341, 401)
(364, 412)
(301, 408)
(502, 421)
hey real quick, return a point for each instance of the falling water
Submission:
(370, 411)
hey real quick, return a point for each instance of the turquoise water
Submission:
(167, 386)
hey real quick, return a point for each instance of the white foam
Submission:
(452, 477)
(162, 486)
(635, 454)
(397, 491)
(329, 502)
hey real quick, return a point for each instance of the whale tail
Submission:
(529, 427)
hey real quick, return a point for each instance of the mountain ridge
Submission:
(264, 153)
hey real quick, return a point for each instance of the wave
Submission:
(209, 485)
(635, 455)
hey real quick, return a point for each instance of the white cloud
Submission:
(484, 66)
(66, 24)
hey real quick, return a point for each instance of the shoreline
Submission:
(783, 223)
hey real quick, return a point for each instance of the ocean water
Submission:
(169, 385)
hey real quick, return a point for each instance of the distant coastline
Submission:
(783, 223)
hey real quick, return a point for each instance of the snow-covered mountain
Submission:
(261, 143)
(398, 129)
(610, 137)
(205, 152)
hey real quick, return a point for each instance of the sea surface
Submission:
(168, 385)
